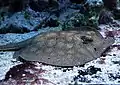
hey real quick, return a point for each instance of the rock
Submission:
(14, 29)
(42, 5)
(77, 19)
(17, 5)
(92, 70)
(4, 3)
(110, 4)
(117, 13)
(73, 20)
(22, 22)
(105, 17)
(14, 5)
(52, 23)
(36, 5)
(89, 71)
(29, 20)
(18, 70)
(78, 1)
(67, 14)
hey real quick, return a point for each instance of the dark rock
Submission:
(14, 5)
(110, 34)
(89, 71)
(117, 13)
(105, 17)
(114, 54)
(116, 62)
(82, 72)
(4, 3)
(17, 5)
(37, 5)
(52, 23)
(81, 79)
(118, 46)
(16, 71)
(14, 29)
(114, 76)
(110, 4)
(22, 73)
(92, 70)
(78, 1)
(41, 5)
(64, 70)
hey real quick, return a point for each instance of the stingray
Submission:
(62, 48)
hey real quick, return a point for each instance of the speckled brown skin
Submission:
(65, 48)
(62, 48)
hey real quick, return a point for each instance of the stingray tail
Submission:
(15, 46)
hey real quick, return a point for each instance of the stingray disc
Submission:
(65, 48)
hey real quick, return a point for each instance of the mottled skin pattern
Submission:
(65, 48)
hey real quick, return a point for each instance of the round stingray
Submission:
(65, 48)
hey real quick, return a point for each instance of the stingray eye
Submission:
(48, 57)
(95, 49)
(86, 39)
